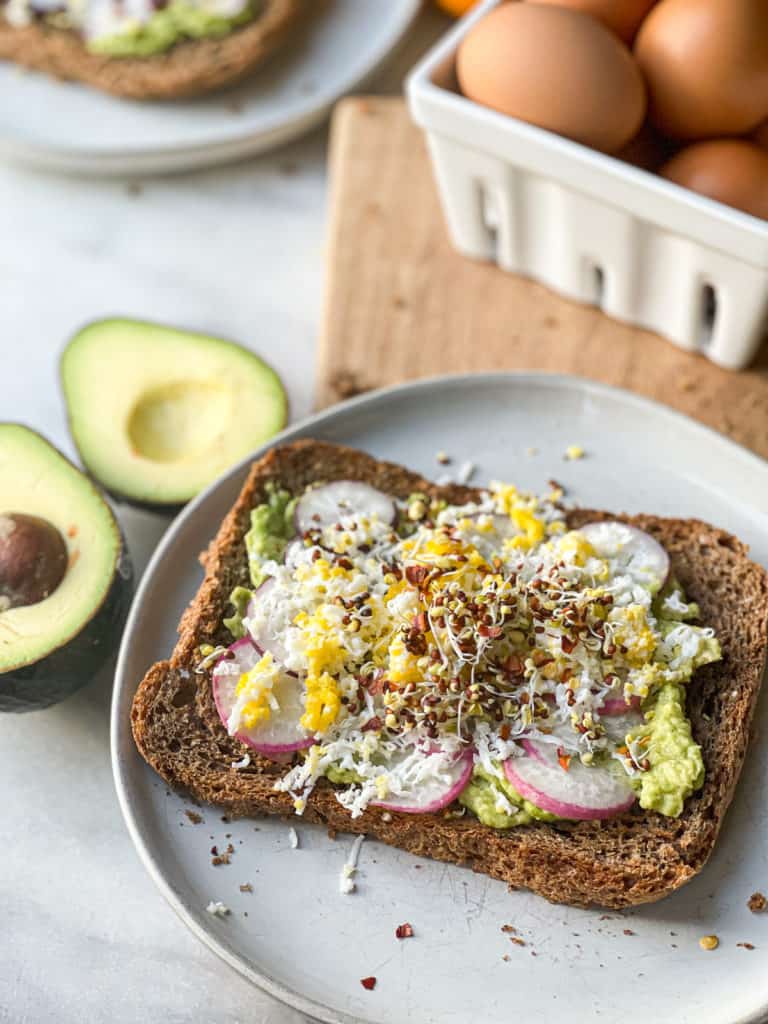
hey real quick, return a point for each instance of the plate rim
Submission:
(123, 692)
(232, 146)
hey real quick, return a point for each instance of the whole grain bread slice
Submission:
(189, 68)
(636, 858)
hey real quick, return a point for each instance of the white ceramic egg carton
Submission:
(593, 228)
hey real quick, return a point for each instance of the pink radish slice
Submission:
(534, 750)
(323, 506)
(635, 552)
(434, 794)
(281, 732)
(618, 706)
(579, 794)
(283, 758)
(617, 726)
(266, 631)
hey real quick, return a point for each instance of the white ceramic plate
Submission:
(65, 126)
(308, 945)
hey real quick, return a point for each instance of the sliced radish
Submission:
(634, 551)
(326, 505)
(617, 726)
(578, 794)
(534, 750)
(435, 793)
(619, 706)
(281, 732)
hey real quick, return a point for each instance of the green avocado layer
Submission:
(271, 529)
(482, 797)
(178, 21)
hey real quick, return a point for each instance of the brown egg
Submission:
(621, 16)
(556, 68)
(706, 66)
(733, 171)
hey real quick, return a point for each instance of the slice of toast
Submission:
(189, 68)
(635, 858)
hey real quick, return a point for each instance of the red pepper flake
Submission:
(628, 931)
(745, 945)
(567, 645)
(372, 723)
(194, 817)
(563, 759)
(420, 623)
(368, 983)
(404, 931)
(416, 574)
(757, 903)
(505, 731)
(517, 940)
(508, 929)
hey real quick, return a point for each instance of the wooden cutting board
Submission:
(400, 303)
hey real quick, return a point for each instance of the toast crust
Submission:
(190, 68)
(638, 857)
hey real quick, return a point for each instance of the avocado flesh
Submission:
(50, 648)
(158, 413)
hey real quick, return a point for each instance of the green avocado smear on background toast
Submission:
(271, 529)
(169, 25)
(675, 766)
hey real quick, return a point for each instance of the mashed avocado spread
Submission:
(271, 529)
(180, 19)
(677, 768)
(136, 28)
(495, 801)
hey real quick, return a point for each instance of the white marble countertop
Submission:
(86, 937)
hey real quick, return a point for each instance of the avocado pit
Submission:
(33, 559)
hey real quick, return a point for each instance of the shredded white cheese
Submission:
(243, 763)
(466, 472)
(346, 882)
(218, 909)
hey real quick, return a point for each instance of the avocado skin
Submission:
(70, 667)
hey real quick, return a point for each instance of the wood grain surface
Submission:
(400, 303)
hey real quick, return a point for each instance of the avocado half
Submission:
(158, 413)
(65, 575)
